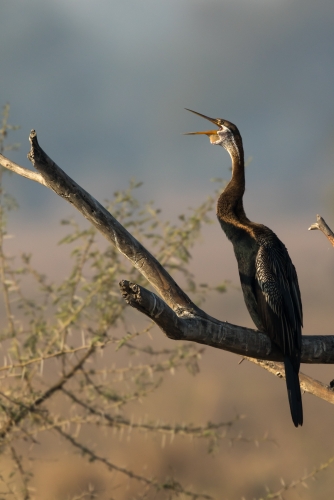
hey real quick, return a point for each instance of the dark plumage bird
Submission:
(268, 277)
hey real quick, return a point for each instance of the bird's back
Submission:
(271, 292)
(269, 284)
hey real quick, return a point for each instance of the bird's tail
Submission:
(295, 397)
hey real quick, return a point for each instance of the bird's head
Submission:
(227, 135)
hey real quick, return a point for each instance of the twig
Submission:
(168, 486)
(23, 474)
(286, 487)
(23, 172)
(16, 418)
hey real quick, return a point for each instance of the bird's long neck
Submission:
(230, 207)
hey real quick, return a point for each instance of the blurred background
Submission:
(105, 85)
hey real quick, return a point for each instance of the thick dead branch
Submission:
(324, 228)
(220, 334)
(57, 180)
(177, 316)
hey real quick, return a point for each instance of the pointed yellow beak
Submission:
(212, 134)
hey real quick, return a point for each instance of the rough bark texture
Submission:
(175, 314)
(219, 334)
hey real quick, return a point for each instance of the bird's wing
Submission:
(278, 296)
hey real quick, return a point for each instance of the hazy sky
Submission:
(105, 84)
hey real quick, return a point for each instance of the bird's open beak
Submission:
(209, 133)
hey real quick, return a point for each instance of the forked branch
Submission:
(175, 314)
(324, 228)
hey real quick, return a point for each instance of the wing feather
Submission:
(278, 295)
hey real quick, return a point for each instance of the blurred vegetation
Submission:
(57, 344)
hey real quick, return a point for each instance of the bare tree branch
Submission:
(175, 314)
(220, 334)
(24, 172)
(307, 384)
(57, 180)
(233, 338)
(324, 228)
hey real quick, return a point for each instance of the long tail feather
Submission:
(294, 393)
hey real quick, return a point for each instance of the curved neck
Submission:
(237, 182)
(229, 206)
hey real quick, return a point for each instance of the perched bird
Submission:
(268, 277)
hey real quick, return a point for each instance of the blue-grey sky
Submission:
(105, 84)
